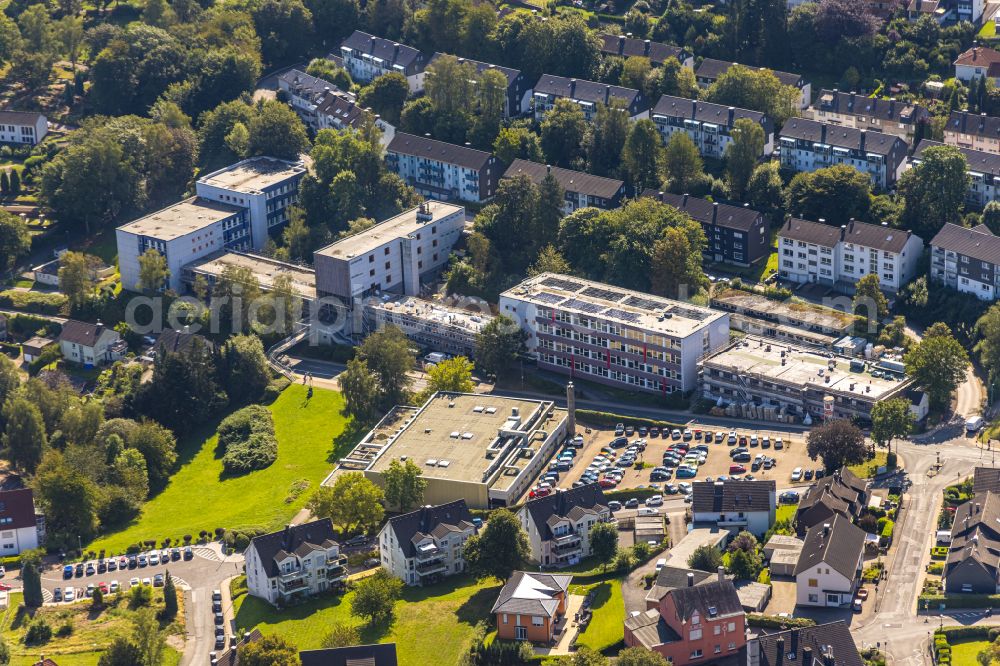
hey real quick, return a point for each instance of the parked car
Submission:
(134, 582)
(103, 587)
(615, 505)
(102, 567)
(797, 474)
(687, 434)
(654, 500)
(112, 564)
(70, 594)
(675, 434)
(643, 431)
(685, 472)
(619, 429)
(188, 553)
(114, 587)
(57, 594)
(737, 469)
(660, 563)
(619, 442)
(741, 458)
(754, 440)
(629, 430)
(765, 442)
(820, 473)
(632, 503)
(90, 590)
(684, 487)
(79, 570)
(732, 438)
(90, 569)
(68, 571)
(670, 489)
(158, 580)
(133, 561)
(175, 554)
(142, 561)
(789, 497)
(778, 444)
(807, 475)
(857, 605)
(648, 511)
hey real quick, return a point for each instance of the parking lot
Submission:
(716, 463)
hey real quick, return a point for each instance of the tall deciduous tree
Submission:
(15, 239)
(607, 137)
(742, 154)
(988, 347)
(24, 436)
(563, 129)
(352, 503)
(387, 353)
(243, 368)
(386, 95)
(604, 542)
(75, 278)
(498, 344)
(705, 558)
(404, 488)
(869, 300)
(375, 597)
(31, 575)
(757, 89)
(517, 143)
(500, 549)
(684, 165)
(270, 650)
(676, 264)
(937, 364)
(934, 191)
(838, 442)
(637, 656)
(276, 131)
(643, 155)
(360, 390)
(121, 652)
(891, 419)
(153, 271)
(453, 375)
(836, 194)
(68, 498)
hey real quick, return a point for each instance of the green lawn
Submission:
(870, 468)
(310, 436)
(964, 653)
(988, 31)
(432, 625)
(606, 627)
(785, 512)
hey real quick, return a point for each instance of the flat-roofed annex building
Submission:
(485, 449)
(438, 326)
(796, 379)
(612, 335)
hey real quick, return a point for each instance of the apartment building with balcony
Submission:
(614, 336)
(367, 57)
(967, 260)
(23, 127)
(849, 109)
(626, 46)
(580, 190)
(973, 131)
(709, 125)
(442, 170)
(559, 524)
(808, 145)
(517, 101)
(735, 234)
(297, 562)
(322, 105)
(709, 70)
(264, 186)
(840, 256)
(424, 546)
(984, 172)
(182, 233)
(585, 94)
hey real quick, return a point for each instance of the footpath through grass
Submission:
(311, 434)
(432, 625)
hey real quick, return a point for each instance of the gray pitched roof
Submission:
(561, 503)
(875, 236)
(741, 218)
(439, 151)
(429, 520)
(650, 629)
(682, 107)
(279, 544)
(392, 52)
(584, 90)
(379, 654)
(986, 479)
(839, 546)
(980, 161)
(976, 243)
(850, 103)
(82, 333)
(841, 137)
(179, 342)
(626, 47)
(964, 122)
(20, 117)
(733, 495)
(569, 180)
(712, 69)
(527, 593)
(806, 646)
(670, 577)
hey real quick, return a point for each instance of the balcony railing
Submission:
(427, 568)
(288, 584)
(429, 555)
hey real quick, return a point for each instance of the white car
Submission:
(69, 594)
(148, 582)
(660, 563)
(133, 583)
(797, 474)
(114, 587)
(648, 511)
(684, 487)
(154, 559)
(654, 500)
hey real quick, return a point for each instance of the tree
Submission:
(328, 70)
(276, 131)
(498, 345)
(643, 156)
(453, 375)
(741, 566)
(757, 89)
(868, 297)
(676, 263)
(706, 558)
(838, 442)
(765, 191)
(158, 447)
(637, 656)
(517, 143)
(375, 596)
(607, 137)
(587, 657)
(742, 154)
(342, 635)
(15, 239)
(285, 28)
(677, 80)
(938, 364)
(15, 182)
(121, 652)
(991, 215)
(183, 392)
(387, 353)
(836, 194)
(69, 499)
(24, 436)
(563, 129)
(500, 549)
(550, 261)
(891, 419)
(934, 191)
(97, 601)
(169, 597)
(385, 96)
(403, 486)
(987, 331)
(271, 650)
(549, 209)
(243, 368)
(683, 163)
(31, 574)
(360, 389)
(352, 503)
(10, 378)
(604, 542)
(75, 278)
(69, 32)
(153, 271)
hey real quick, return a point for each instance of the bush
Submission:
(939, 552)
(887, 529)
(274, 389)
(139, 596)
(33, 301)
(39, 631)
(775, 622)
(610, 419)
(247, 437)
(49, 355)
(65, 629)
(958, 633)
(935, 568)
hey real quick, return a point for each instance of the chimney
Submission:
(621, 44)
(548, 168)
(684, 201)
(780, 657)
(395, 51)
(828, 659)
(570, 410)
(646, 45)
(572, 87)
(690, 578)
(807, 656)
(715, 211)
(979, 507)
(607, 95)
(732, 115)
(826, 529)
(722, 574)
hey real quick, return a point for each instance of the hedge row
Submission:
(33, 301)
(775, 622)
(611, 419)
(933, 601)
(958, 633)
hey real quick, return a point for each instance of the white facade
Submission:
(966, 267)
(755, 522)
(437, 556)
(820, 585)
(20, 127)
(300, 575)
(13, 542)
(570, 540)
(707, 125)
(799, 157)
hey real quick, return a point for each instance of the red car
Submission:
(539, 492)
(607, 483)
(737, 469)
(103, 587)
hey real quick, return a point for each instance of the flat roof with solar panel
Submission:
(585, 297)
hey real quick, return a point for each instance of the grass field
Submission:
(310, 436)
(963, 653)
(92, 632)
(605, 628)
(988, 31)
(785, 512)
(869, 468)
(432, 625)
